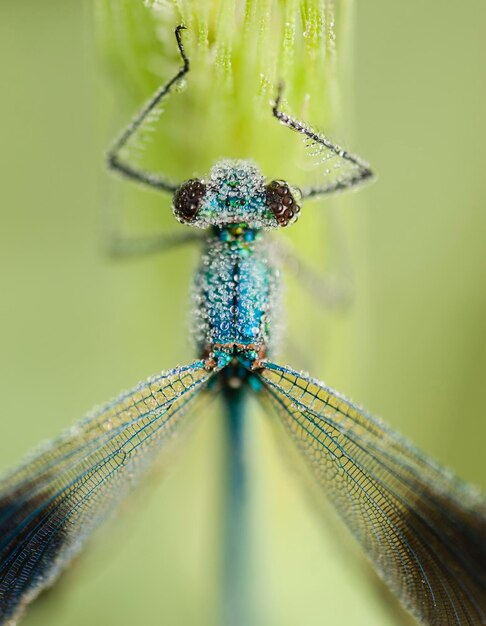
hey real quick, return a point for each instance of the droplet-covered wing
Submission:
(50, 504)
(423, 529)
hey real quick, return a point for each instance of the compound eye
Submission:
(188, 199)
(281, 202)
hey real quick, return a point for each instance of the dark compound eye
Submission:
(188, 199)
(281, 202)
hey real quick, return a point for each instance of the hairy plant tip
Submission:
(239, 52)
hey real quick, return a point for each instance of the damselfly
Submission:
(422, 528)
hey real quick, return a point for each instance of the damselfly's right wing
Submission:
(50, 505)
(424, 530)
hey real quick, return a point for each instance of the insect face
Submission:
(235, 193)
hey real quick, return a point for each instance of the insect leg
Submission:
(114, 159)
(122, 247)
(331, 290)
(343, 170)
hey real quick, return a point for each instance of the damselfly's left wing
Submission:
(424, 530)
(50, 505)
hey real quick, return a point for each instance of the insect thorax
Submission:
(236, 294)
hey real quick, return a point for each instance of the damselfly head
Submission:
(236, 193)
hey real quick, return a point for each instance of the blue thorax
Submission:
(236, 292)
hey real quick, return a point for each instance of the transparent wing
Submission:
(424, 530)
(50, 505)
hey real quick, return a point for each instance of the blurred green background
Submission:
(76, 328)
